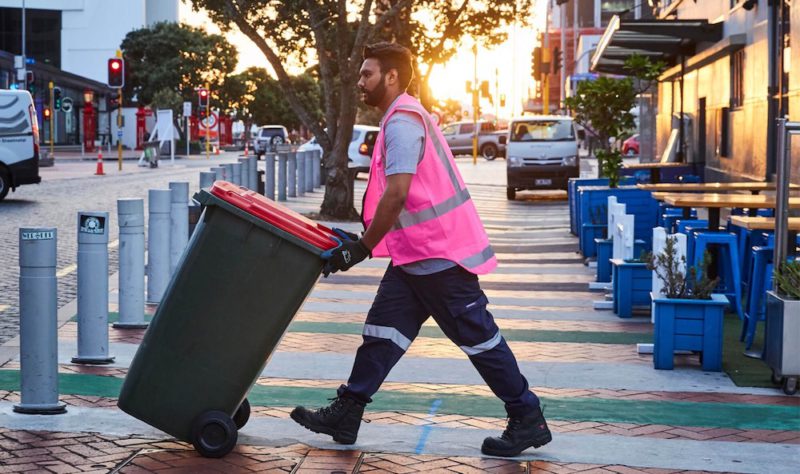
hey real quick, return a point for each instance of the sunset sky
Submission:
(513, 77)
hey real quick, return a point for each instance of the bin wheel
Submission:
(214, 434)
(790, 385)
(511, 193)
(242, 414)
(776, 379)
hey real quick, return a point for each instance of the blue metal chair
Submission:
(760, 275)
(728, 264)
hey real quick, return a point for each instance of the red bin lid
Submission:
(279, 216)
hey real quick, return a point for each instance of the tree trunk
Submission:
(338, 200)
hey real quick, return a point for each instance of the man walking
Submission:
(418, 211)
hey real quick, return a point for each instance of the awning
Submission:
(664, 40)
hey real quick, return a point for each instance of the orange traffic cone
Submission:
(216, 150)
(99, 171)
(246, 148)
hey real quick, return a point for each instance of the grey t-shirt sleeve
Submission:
(404, 136)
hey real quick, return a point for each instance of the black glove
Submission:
(349, 253)
(345, 234)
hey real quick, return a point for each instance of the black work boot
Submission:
(341, 419)
(521, 433)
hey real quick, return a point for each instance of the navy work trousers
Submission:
(458, 305)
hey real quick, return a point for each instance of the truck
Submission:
(542, 153)
(491, 142)
(19, 141)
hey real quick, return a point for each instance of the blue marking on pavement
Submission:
(426, 430)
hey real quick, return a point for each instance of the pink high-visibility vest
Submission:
(439, 219)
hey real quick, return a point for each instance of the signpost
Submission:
(187, 112)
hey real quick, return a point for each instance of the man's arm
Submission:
(389, 207)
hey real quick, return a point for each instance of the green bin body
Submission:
(240, 282)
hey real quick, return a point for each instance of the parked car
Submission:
(491, 142)
(542, 153)
(630, 147)
(19, 141)
(268, 138)
(359, 153)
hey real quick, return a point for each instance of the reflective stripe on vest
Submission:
(479, 258)
(385, 332)
(484, 346)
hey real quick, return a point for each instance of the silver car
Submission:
(268, 138)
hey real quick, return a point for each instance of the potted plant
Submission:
(782, 327)
(688, 316)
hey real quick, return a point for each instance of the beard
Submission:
(375, 96)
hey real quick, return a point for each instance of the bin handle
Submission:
(327, 254)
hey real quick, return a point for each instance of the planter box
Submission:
(688, 325)
(782, 335)
(573, 197)
(604, 254)
(632, 285)
(592, 214)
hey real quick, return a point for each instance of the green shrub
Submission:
(693, 284)
(787, 279)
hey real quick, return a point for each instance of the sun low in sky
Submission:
(507, 67)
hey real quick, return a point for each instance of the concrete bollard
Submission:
(283, 157)
(309, 161)
(207, 179)
(131, 264)
(237, 173)
(319, 179)
(253, 163)
(158, 243)
(178, 223)
(269, 175)
(92, 289)
(301, 172)
(38, 322)
(291, 178)
(228, 172)
(219, 171)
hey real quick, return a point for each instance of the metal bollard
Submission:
(291, 179)
(219, 171)
(282, 158)
(319, 179)
(38, 321)
(131, 264)
(158, 243)
(309, 184)
(178, 223)
(269, 175)
(300, 157)
(228, 172)
(253, 163)
(92, 289)
(207, 179)
(237, 173)
(244, 173)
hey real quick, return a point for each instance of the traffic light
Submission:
(113, 101)
(556, 60)
(57, 98)
(502, 100)
(536, 63)
(116, 72)
(485, 89)
(468, 87)
(202, 98)
(46, 114)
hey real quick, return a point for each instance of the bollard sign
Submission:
(92, 225)
(38, 235)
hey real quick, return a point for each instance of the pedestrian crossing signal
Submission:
(57, 98)
(116, 72)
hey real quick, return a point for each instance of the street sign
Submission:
(66, 104)
(119, 133)
(187, 108)
(19, 61)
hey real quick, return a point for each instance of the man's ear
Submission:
(393, 76)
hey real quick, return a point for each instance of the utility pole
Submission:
(52, 118)
(546, 58)
(24, 57)
(496, 94)
(563, 73)
(475, 105)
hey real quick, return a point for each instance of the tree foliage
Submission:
(174, 57)
(435, 30)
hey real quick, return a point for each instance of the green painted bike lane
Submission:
(672, 413)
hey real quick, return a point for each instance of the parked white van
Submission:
(19, 141)
(542, 153)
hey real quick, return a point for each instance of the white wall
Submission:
(92, 30)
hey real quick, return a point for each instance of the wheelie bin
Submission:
(246, 271)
